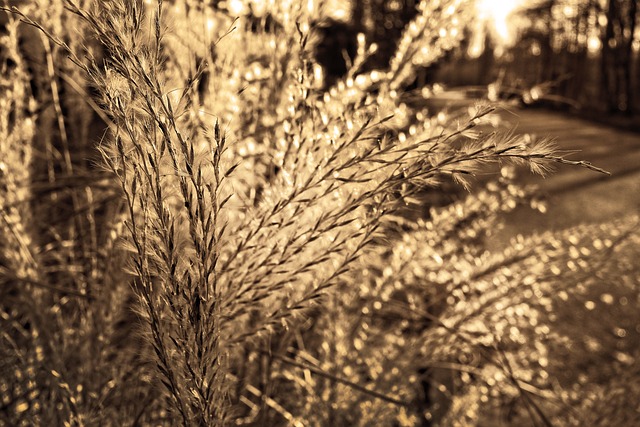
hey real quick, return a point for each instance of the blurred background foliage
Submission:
(580, 54)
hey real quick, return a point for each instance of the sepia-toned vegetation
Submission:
(201, 226)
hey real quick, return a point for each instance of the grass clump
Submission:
(239, 251)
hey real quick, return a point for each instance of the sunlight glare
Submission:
(496, 15)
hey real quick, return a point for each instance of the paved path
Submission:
(576, 194)
(614, 150)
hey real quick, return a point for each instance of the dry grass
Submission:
(237, 253)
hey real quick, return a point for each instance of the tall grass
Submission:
(238, 249)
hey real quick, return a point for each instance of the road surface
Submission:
(576, 194)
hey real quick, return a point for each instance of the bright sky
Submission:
(496, 13)
(495, 17)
